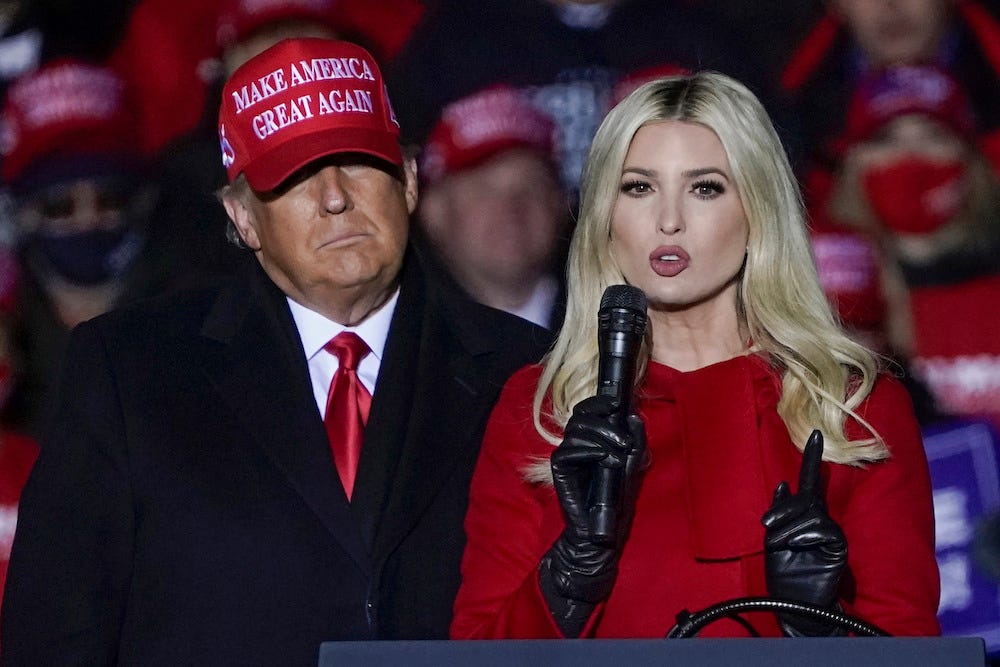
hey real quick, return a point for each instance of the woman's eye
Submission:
(708, 189)
(636, 187)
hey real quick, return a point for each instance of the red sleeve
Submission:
(505, 527)
(888, 518)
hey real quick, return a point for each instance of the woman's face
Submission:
(912, 179)
(678, 229)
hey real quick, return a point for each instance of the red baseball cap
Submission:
(300, 100)
(241, 18)
(902, 90)
(66, 115)
(475, 128)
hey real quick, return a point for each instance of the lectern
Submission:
(815, 652)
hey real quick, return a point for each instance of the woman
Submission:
(688, 196)
(913, 179)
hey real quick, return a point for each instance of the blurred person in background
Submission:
(80, 202)
(913, 179)
(492, 208)
(853, 276)
(564, 55)
(855, 39)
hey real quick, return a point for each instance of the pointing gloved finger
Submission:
(812, 458)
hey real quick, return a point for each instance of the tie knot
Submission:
(348, 348)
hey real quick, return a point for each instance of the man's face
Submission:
(332, 236)
(497, 222)
(893, 32)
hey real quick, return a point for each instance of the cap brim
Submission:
(269, 170)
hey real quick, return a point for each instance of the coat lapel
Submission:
(259, 369)
(436, 416)
(727, 487)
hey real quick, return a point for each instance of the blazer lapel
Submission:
(259, 369)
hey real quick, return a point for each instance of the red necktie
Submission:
(347, 407)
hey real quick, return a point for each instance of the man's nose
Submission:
(333, 195)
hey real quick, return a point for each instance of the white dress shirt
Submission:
(315, 331)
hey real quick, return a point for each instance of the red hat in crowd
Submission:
(241, 18)
(300, 100)
(475, 128)
(903, 90)
(65, 119)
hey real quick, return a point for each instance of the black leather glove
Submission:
(579, 571)
(805, 551)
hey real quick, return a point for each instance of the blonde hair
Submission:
(825, 375)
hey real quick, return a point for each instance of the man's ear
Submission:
(243, 219)
(410, 183)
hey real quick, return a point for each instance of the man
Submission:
(189, 506)
(492, 206)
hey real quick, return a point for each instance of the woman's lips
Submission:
(668, 261)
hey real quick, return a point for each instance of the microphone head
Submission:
(628, 297)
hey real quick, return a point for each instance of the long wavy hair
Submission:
(825, 375)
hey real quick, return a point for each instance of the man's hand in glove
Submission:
(579, 571)
(805, 551)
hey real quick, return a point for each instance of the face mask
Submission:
(915, 195)
(88, 258)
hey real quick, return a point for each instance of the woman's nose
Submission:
(670, 220)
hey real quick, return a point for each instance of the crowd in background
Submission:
(890, 110)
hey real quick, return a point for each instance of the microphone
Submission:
(621, 322)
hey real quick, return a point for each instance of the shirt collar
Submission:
(315, 330)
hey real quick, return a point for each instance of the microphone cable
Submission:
(689, 625)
